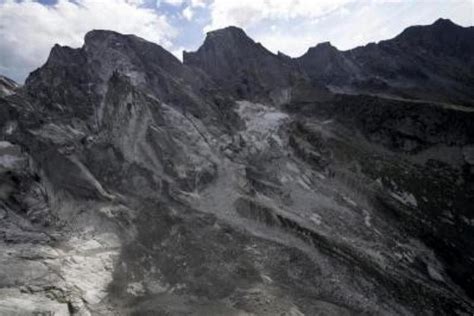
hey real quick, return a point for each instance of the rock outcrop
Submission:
(243, 68)
(432, 62)
(7, 86)
(240, 182)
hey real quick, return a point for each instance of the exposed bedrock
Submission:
(240, 182)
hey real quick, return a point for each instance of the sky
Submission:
(28, 29)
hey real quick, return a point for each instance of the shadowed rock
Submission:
(432, 62)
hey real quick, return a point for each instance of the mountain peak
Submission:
(239, 64)
(322, 47)
(87, 70)
(441, 37)
(426, 32)
(109, 38)
(230, 37)
(325, 45)
(100, 34)
(227, 31)
(444, 22)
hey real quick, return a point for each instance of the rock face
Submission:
(239, 182)
(243, 68)
(7, 86)
(431, 62)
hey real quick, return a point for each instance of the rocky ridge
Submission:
(432, 62)
(240, 182)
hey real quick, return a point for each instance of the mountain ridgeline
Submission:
(433, 62)
(240, 182)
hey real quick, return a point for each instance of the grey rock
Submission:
(236, 183)
(243, 68)
(7, 86)
(432, 62)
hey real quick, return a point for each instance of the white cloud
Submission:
(188, 13)
(178, 52)
(247, 13)
(136, 2)
(199, 3)
(29, 29)
(176, 3)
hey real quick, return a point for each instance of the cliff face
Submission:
(240, 182)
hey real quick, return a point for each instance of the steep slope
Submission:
(7, 86)
(78, 77)
(247, 70)
(134, 184)
(428, 167)
(431, 62)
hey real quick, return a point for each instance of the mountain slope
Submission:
(234, 183)
(431, 62)
(242, 66)
(247, 70)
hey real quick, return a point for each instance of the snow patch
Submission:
(367, 218)
(12, 302)
(292, 167)
(10, 156)
(58, 133)
(405, 198)
(316, 218)
(303, 184)
(136, 289)
(435, 274)
(5, 144)
(348, 200)
(89, 266)
(9, 162)
(10, 127)
(261, 122)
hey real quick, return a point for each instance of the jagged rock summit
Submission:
(240, 182)
(431, 62)
(81, 75)
(241, 66)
